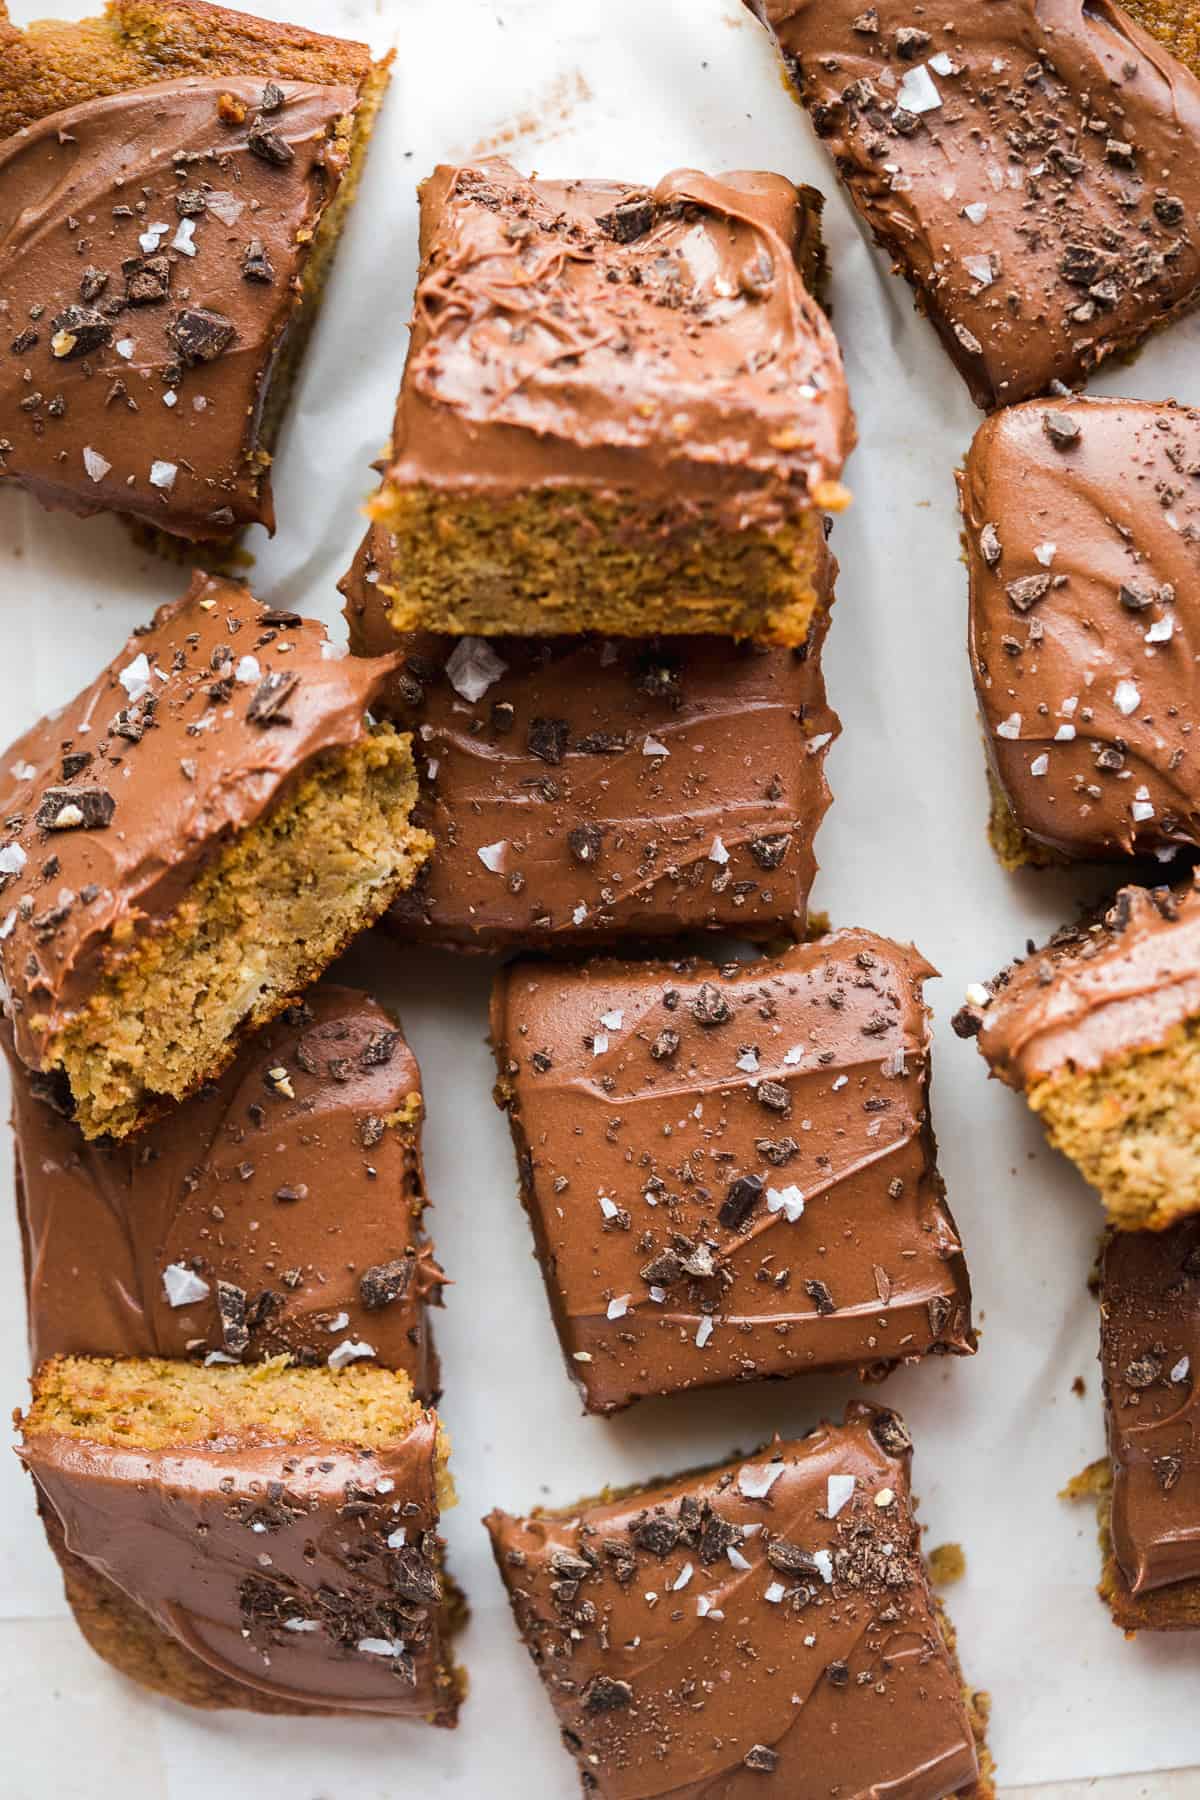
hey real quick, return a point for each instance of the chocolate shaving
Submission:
(385, 1283)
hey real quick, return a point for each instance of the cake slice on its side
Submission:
(146, 367)
(262, 1538)
(1101, 1033)
(622, 409)
(798, 1569)
(189, 843)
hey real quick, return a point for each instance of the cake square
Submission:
(1100, 1033)
(622, 409)
(277, 1212)
(731, 1173)
(768, 1624)
(585, 789)
(1032, 171)
(256, 1538)
(188, 843)
(1150, 1356)
(176, 178)
(1081, 524)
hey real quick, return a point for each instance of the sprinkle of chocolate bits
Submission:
(762, 1759)
(199, 335)
(147, 280)
(820, 1296)
(267, 144)
(585, 842)
(269, 702)
(709, 1007)
(548, 739)
(604, 1694)
(256, 263)
(386, 1283)
(231, 1308)
(628, 221)
(665, 1045)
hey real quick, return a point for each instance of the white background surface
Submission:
(632, 88)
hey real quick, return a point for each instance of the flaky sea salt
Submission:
(473, 667)
(757, 1483)
(182, 1286)
(789, 1201)
(1126, 698)
(349, 1351)
(97, 466)
(839, 1489)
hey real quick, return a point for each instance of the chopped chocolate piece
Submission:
(629, 220)
(269, 144)
(75, 808)
(269, 703)
(147, 279)
(78, 330)
(673, 1237)
(256, 263)
(387, 1282)
(200, 336)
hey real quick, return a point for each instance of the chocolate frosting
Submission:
(1083, 542)
(1150, 1354)
(731, 1173)
(150, 259)
(768, 1619)
(1032, 168)
(1097, 991)
(271, 1561)
(602, 336)
(557, 819)
(111, 807)
(264, 1217)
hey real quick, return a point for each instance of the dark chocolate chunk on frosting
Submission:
(583, 788)
(1082, 523)
(111, 807)
(137, 341)
(770, 1618)
(1150, 1355)
(1033, 167)
(275, 1212)
(589, 334)
(730, 1173)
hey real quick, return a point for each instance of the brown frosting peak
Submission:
(272, 1562)
(1150, 1355)
(264, 1217)
(1097, 990)
(731, 1173)
(150, 254)
(585, 788)
(1083, 540)
(598, 335)
(769, 1618)
(1032, 167)
(111, 807)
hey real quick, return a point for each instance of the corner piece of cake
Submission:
(1101, 1033)
(260, 1538)
(188, 843)
(277, 1212)
(1150, 1356)
(622, 409)
(731, 1173)
(176, 177)
(585, 789)
(768, 1624)
(1081, 522)
(1032, 168)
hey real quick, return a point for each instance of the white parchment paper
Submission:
(632, 88)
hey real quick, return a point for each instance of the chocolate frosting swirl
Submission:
(282, 1203)
(616, 338)
(582, 788)
(1083, 541)
(150, 255)
(703, 1633)
(1150, 1355)
(1032, 168)
(272, 1562)
(111, 807)
(732, 1173)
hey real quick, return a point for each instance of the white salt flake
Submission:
(789, 1201)
(579, 914)
(339, 1323)
(396, 1539)
(493, 856)
(619, 1307)
(794, 1055)
(599, 1044)
(170, 398)
(12, 859)
(775, 1593)
(918, 91)
(301, 1625)
(218, 1356)
(135, 676)
(1126, 697)
(1161, 631)
(379, 1646)
(977, 212)
(613, 1021)
(1045, 553)
(182, 1286)
(684, 1576)
(1180, 1371)
(748, 1062)
(162, 475)
(737, 1559)
(182, 241)
(841, 1082)
(248, 670)
(706, 1609)
(473, 668)
(652, 747)
(348, 1351)
(718, 853)
(224, 206)
(756, 1484)
(150, 239)
(979, 268)
(7, 927)
(1140, 811)
(658, 1295)
(1010, 727)
(819, 742)
(1039, 765)
(839, 1489)
(1070, 704)
(608, 1207)
(124, 347)
(96, 465)
(1065, 734)
(824, 1562)
(703, 1331)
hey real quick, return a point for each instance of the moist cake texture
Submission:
(276, 1528)
(189, 843)
(622, 409)
(1150, 1355)
(1101, 1033)
(276, 1212)
(762, 1627)
(1033, 168)
(731, 1173)
(583, 789)
(1081, 520)
(178, 176)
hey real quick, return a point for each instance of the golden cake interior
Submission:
(258, 925)
(1175, 22)
(1132, 1127)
